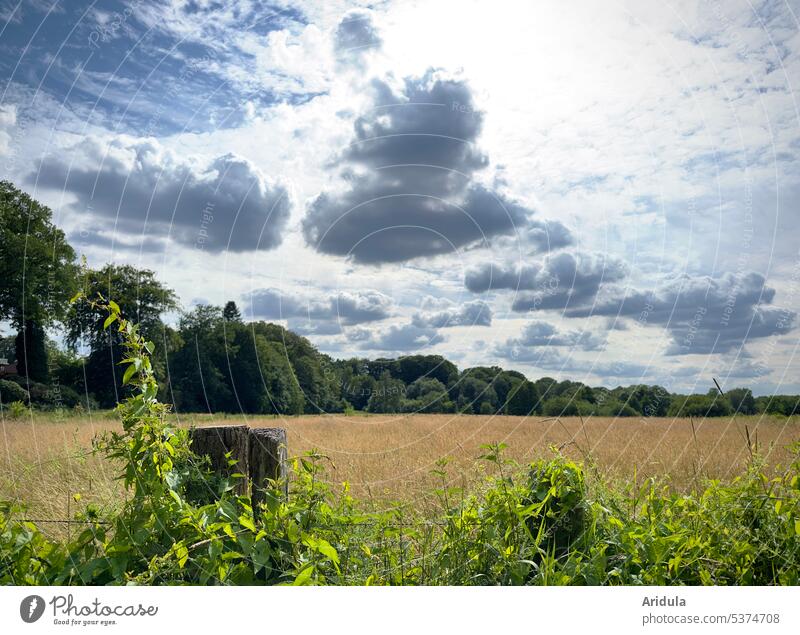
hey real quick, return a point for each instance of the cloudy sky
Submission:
(607, 192)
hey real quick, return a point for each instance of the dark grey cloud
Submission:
(472, 313)
(120, 242)
(145, 189)
(409, 180)
(356, 35)
(555, 359)
(549, 235)
(702, 314)
(538, 337)
(398, 337)
(743, 368)
(561, 280)
(344, 308)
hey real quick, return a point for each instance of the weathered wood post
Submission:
(216, 441)
(267, 459)
(258, 453)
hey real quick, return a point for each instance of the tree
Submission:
(712, 405)
(8, 348)
(387, 395)
(412, 367)
(198, 370)
(742, 401)
(427, 395)
(263, 380)
(473, 392)
(523, 399)
(231, 312)
(31, 352)
(560, 407)
(316, 373)
(37, 275)
(142, 299)
(546, 387)
(358, 389)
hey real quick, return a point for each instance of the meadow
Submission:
(396, 460)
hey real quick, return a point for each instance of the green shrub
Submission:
(560, 407)
(11, 391)
(17, 409)
(616, 409)
(700, 406)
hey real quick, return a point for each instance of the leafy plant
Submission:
(17, 409)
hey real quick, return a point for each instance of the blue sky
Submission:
(608, 194)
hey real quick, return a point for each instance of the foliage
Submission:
(12, 391)
(17, 409)
(264, 380)
(31, 352)
(524, 399)
(231, 312)
(560, 407)
(427, 394)
(742, 401)
(784, 405)
(37, 270)
(387, 396)
(138, 293)
(700, 406)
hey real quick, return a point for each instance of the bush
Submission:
(617, 409)
(700, 406)
(17, 409)
(560, 407)
(486, 408)
(11, 391)
(53, 396)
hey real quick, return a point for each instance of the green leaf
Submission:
(182, 553)
(112, 317)
(304, 576)
(129, 371)
(247, 523)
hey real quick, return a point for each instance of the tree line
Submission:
(214, 361)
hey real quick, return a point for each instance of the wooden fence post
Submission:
(216, 441)
(267, 458)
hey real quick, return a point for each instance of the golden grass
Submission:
(43, 459)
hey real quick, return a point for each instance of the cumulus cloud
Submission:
(356, 35)
(409, 187)
(545, 236)
(561, 280)
(118, 242)
(443, 314)
(323, 316)
(8, 119)
(702, 314)
(400, 338)
(227, 204)
(538, 337)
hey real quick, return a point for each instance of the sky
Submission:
(602, 192)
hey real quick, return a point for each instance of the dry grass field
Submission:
(45, 460)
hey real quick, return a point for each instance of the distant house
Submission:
(6, 368)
